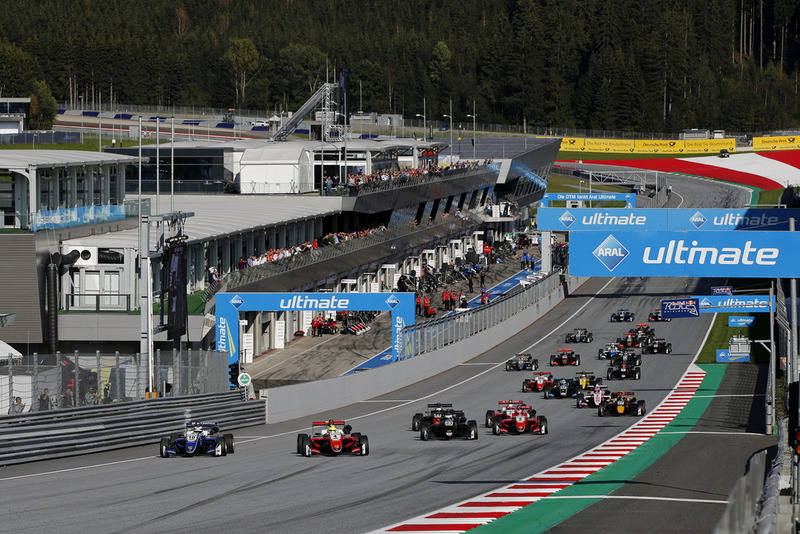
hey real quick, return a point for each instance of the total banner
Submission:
(697, 254)
(615, 219)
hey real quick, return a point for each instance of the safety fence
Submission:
(73, 379)
(433, 335)
(45, 435)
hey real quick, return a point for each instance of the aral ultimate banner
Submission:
(616, 219)
(699, 254)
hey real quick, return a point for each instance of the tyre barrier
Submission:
(36, 436)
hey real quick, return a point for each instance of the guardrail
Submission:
(46, 435)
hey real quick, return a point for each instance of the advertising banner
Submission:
(695, 254)
(614, 219)
(725, 356)
(628, 198)
(722, 290)
(784, 142)
(733, 304)
(679, 308)
(228, 306)
(740, 320)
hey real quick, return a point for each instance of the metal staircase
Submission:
(324, 92)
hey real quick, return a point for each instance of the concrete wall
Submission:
(300, 400)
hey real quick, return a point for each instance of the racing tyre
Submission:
(640, 409)
(547, 392)
(589, 339)
(610, 374)
(668, 349)
(543, 429)
(578, 401)
(221, 448)
(306, 446)
(577, 359)
(637, 374)
(496, 428)
(163, 446)
(229, 443)
(473, 429)
(415, 421)
(567, 338)
(599, 382)
(601, 410)
(364, 444)
(424, 430)
(535, 365)
(300, 443)
(524, 388)
(639, 361)
(490, 416)
(508, 366)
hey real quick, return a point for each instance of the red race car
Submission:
(540, 380)
(520, 420)
(565, 357)
(332, 438)
(506, 408)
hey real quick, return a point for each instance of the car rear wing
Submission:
(440, 405)
(510, 402)
(320, 423)
(543, 373)
(565, 350)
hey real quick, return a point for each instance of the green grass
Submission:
(89, 145)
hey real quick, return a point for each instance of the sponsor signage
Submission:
(740, 321)
(696, 254)
(678, 308)
(229, 305)
(722, 290)
(615, 219)
(724, 355)
(629, 198)
(733, 304)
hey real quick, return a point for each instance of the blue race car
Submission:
(197, 440)
(622, 315)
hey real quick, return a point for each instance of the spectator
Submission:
(328, 186)
(69, 399)
(44, 401)
(91, 397)
(17, 408)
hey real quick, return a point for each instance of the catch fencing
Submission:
(80, 379)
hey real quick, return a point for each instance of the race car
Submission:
(522, 362)
(506, 409)
(622, 403)
(627, 357)
(622, 315)
(644, 329)
(657, 345)
(198, 439)
(565, 357)
(609, 351)
(579, 335)
(443, 421)
(623, 371)
(332, 438)
(519, 420)
(593, 398)
(587, 380)
(655, 316)
(540, 380)
(562, 388)
(636, 338)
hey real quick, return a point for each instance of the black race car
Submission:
(627, 357)
(622, 315)
(624, 371)
(658, 345)
(622, 403)
(579, 335)
(522, 362)
(655, 316)
(562, 388)
(442, 421)
(565, 357)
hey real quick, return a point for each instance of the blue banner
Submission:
(690, 220)
(724, 356)
(733, 304)
(678, 308)
(629, 198)
(695, 254)
(228, 306)
(740, 321)
(63, 218)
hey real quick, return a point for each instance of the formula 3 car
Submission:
(506, 408)
(520, 420)
(579, 335)
(627, 357)
(609, 351)
(622, 315)
(522, 362)
(562, 388)
(593, 398)
(624, 371)
(587, 379)
(332, 438)
(442, 421)
(658, 345)
(198, 439)
(565, 357)
(540, 380)
(622, 403)
(655, 316)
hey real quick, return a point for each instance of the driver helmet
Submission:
(331, 426)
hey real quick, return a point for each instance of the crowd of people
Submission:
(399, 177)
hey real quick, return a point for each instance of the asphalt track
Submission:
(265, 486)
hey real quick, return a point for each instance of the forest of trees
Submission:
(591, 64)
